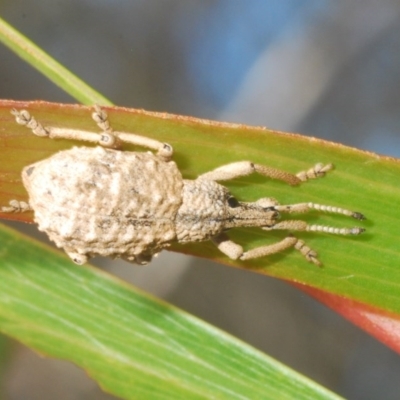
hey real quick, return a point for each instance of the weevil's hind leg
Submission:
(16, 206)
(108, 137)
(101, 118)
(23, 117)
(243, 168)
(235, 251)
(164, 150)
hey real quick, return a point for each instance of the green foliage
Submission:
(134, 346)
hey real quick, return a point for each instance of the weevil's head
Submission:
(208, 209)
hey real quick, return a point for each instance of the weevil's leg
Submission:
(164, 150)
(101, 118)
(298, 225)
(305, 207)
(143, 259)
(16, 206)
(243, 168)
(317, 171)
(23, 117)
(235, 251)
(227, 246)
(77, 258)
(108, 138)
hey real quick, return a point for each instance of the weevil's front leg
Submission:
(16, 206)
(298, 225)
(164, 150)
(243, 168)
(235, 251)
(305, 207)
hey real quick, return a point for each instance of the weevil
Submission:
(131, 205)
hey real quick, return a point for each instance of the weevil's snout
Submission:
(250, 214)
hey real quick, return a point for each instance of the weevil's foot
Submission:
(21, 117)
(308, 253)
(101, 118)
(77, 258)
(356, 230)
(143, 259)
(24, 118)
(317, 171)
(313, 259)
(16, 206)
(358, 216)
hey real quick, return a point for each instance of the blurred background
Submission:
(329, 69)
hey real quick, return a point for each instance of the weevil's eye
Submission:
(232, 202)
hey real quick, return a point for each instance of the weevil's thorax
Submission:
(208, 209)
(202, 213)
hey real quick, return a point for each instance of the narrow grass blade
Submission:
(53, 70)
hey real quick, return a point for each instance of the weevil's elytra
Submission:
(113, 203)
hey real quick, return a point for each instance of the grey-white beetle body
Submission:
(107, 202)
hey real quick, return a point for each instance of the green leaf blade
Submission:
(135, 346)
